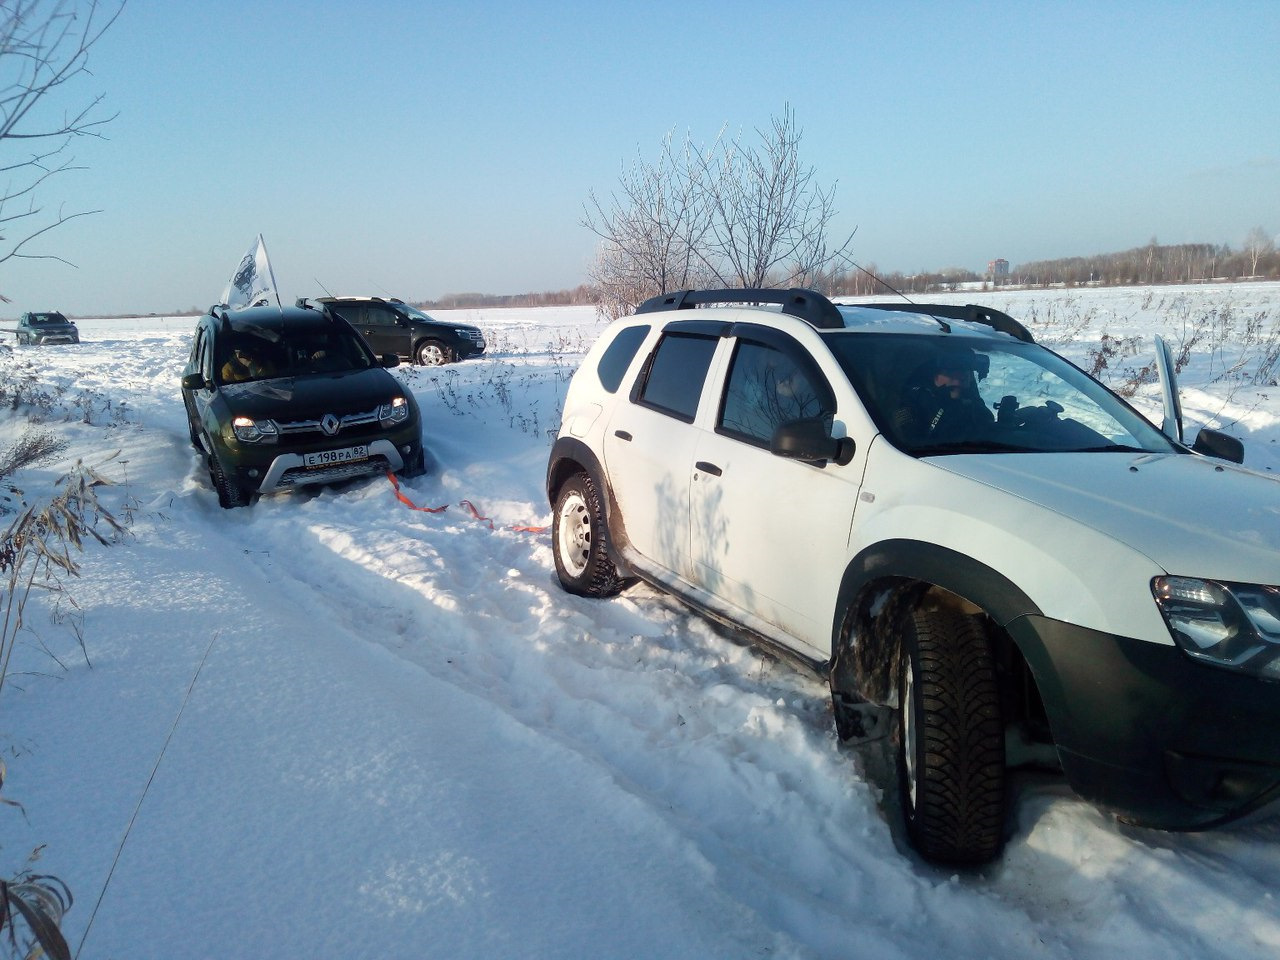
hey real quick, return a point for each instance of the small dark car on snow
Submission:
(392, 326)
(45, 328)
(279, 398)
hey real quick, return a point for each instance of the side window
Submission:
(376, 315)
(676, 374)
(353, 313)
(204, 353)
(618, 356)
(765, 388)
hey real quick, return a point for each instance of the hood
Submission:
(1191, 515)
(312, 396)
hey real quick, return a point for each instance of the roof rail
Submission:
(971, 312)
(807, 305)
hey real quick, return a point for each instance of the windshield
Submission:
(42, 319)
(953, 394)
(263, 354)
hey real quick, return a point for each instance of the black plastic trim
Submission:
(1000, 597)
(808, 305)
(1143, 730)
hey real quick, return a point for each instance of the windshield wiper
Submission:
(971, 446)
(1109, 448)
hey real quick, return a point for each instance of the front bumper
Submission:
(469, 347)
(54, 338)
(1145, 731)
(265, 468)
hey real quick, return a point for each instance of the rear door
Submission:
(383, 330)
(650, 441)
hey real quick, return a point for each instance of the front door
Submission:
(770, 534)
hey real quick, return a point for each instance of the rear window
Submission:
(618, 355)
(676, 374)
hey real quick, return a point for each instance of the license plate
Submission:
(330, 458)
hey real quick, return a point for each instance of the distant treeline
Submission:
(1153, 263)
(579, 295)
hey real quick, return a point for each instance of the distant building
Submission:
(997, 270)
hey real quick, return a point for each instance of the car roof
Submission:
(293, 319)
(396, 300)
(825, 316)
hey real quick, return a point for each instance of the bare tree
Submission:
(728, 215)
(651, 230)
(769, 217)
(44, 45)
(1258, 244)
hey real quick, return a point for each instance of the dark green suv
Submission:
(47, 327)
(279, 398)
(392, 326)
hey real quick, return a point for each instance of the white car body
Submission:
(1059, 550)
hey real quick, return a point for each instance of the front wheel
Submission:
(433, 353)
(230, 493)
(950, 739)
(580, 541)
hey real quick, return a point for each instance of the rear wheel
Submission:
(580, 541)
(951, 739)
(433, 353)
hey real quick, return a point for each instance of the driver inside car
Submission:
(941, 403)
(244, 365)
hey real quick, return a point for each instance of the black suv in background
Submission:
(279, 398)
(47, 327)
(392, 326)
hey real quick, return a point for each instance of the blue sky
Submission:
(416, 149)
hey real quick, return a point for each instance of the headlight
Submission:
(255, 431)
(1232, 625)
(397, 411)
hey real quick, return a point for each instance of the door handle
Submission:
(710, 468)
(622, 435)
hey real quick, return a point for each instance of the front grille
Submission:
(344, 422)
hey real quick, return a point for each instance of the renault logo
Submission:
(330, 424)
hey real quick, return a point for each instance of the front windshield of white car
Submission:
(945, 394)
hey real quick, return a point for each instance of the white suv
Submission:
(948, 520)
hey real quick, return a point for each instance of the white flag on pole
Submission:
(253, 284)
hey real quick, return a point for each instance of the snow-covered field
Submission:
(331, 726)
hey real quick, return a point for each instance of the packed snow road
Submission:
(406, 740)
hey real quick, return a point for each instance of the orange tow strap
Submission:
(471, 507)
(409, 503)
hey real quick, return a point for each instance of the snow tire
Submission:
(230, 493)
(951, 759)
(580, 541)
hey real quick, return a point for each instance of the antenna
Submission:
(884, 283)
(324, 288)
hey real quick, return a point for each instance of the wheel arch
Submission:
(427, 336)
(570, 456)
(904, 573)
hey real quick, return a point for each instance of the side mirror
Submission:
(810, 440)
(389, 360)
(194, 381)
(1215, 443)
